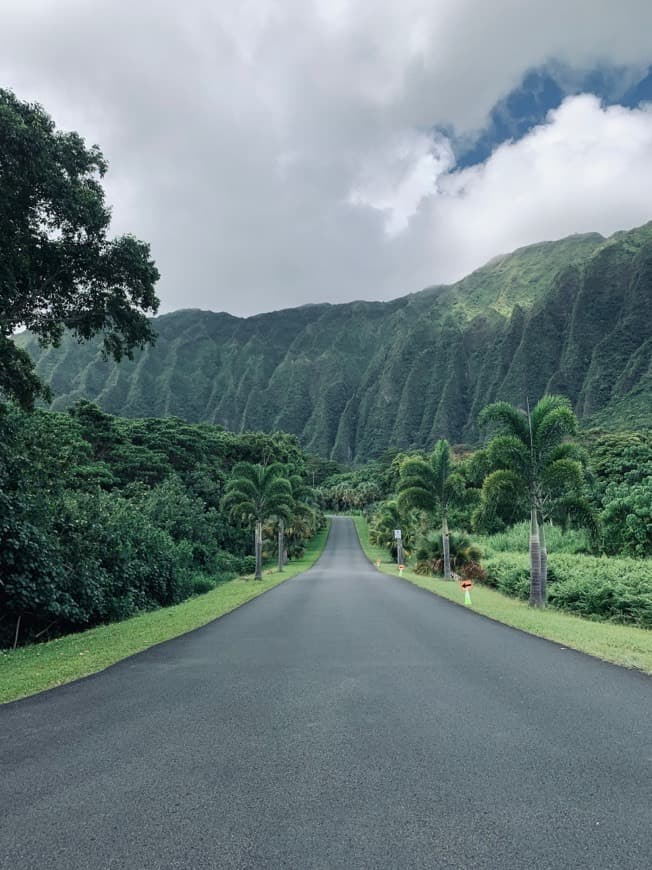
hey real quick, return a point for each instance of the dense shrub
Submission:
(102, 518)
(509, 573)
(627, 519)
(618, 590)
(516, 540)
(465, 555)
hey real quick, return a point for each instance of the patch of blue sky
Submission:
(541, 91)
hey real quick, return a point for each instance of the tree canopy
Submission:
(59, 269)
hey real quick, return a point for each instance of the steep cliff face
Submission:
(573, 316)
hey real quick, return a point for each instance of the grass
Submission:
(34, 668)
(620, 644)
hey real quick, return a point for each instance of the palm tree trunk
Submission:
(20, 616)
(543, 563)
(259, 550)
(447, 548)
(281, 545)
(535, 562)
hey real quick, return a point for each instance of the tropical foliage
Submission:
(594, 506)
(101, 517)
(463, 555)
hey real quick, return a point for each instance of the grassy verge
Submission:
(621, 644)
(34, 668)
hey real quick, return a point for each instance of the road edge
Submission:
(75, 640)
(617, 658)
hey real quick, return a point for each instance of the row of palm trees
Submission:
(531, 452)
(533, 458)
(256, 494)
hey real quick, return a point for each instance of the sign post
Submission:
(399, 546)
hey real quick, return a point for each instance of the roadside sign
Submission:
(397, 534)
(467, 586)
(401, 568)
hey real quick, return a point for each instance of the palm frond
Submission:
(503, 483)
(563, 475)
(507, 419)
(582, 515)
(569, 450)
(553, 427)
(416, 497)
(416, 470)
(441, 463)
(545, 406)
(508, 452)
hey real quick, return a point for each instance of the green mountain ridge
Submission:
(573, 316)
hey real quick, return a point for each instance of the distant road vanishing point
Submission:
(344, 720)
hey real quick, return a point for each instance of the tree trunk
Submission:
(445, 537)
(535, 562)
(281, 544)
(20, 616)
(259, 551)
(543, 564)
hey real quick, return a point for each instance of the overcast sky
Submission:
(280, 152)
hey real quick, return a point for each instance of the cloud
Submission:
(277, 152)
(588, 168)
(400, 174)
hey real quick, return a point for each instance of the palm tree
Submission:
(257, 493)
(536, 460)
(304, 520)
(432, 485)
(381, 529)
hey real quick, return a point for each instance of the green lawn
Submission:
(620, 644)
(32, 669)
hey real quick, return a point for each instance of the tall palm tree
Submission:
(256, 493)
(535, 459)
(304, 519)
(432, 485)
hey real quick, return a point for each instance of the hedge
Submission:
(608, 589)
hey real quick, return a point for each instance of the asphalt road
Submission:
(344, 720)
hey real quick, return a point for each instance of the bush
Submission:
(516, 540)
(509, 573)
(627, 519)
(465, 556)
(247, 564)
(617, 590)
(202, 583)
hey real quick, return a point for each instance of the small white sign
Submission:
(397, 534)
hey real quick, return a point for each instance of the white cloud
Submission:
(400, 175)
(588, 168)
(274, 151)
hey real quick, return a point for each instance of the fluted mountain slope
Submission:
(573, 316)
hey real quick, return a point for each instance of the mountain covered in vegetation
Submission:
(572, 317)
